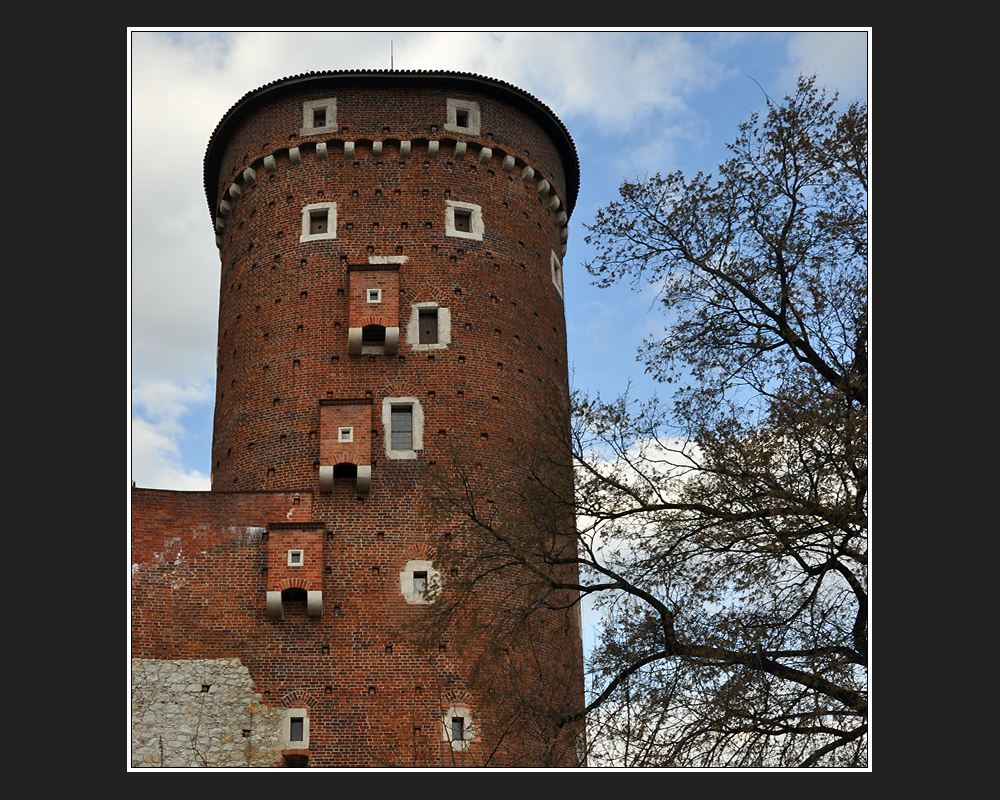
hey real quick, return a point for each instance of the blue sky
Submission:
(634, 102)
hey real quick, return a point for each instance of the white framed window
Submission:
(557, 273)
(403, 422)
(374, 295)
(319, 116)
(295, 558)
(345, 434)
(463, 116)
(295, 728)
(419, 582)
(457, 727)
(429, 327)
(319, 221)
(464, 220)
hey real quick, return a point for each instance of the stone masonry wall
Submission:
(201, 713)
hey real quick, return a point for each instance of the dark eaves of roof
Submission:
(459, 80)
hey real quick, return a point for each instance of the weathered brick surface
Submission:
(203, 562)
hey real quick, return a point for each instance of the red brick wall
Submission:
(357, 416)
(307, 575)
(286, 307)
(196, 560)
(202, 562)
(384, 313)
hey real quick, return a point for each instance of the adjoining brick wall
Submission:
(203, 563)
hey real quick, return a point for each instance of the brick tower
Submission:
(391, 308)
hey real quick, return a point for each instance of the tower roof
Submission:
(470, 82)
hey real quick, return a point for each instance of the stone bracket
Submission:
(276, 609)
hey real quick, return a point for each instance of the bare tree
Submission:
(508, 600)
(723, 535)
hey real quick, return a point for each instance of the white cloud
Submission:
(157, 432)
(156, 461)
(634, 103)
(613, 81)
(839, 58)
(182, 85)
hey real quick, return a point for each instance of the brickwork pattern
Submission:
(203, 562)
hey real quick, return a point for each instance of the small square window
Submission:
(345, 435)
(463, 116)
(295, 558)
(429, 326)
(319, 116)
(319, 221)
(374, 295)
(464, 220)
(419, 582)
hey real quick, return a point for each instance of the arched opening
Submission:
(373, 336)
(294, 602)
(345, 474)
